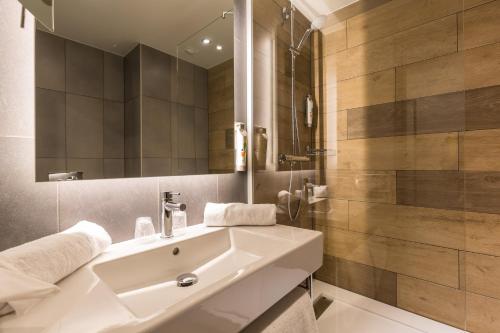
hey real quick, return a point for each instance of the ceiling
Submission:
(117, 26)
(315, 8)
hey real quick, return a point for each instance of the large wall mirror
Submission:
(135, 89)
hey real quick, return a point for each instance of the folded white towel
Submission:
(320, 191)
(30, 270)
(233, 214)
(294, 313)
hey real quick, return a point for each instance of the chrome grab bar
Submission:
(282, 158)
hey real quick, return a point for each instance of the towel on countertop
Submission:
(233, 214)
(320, 191)
(28, 272)
(294, 313)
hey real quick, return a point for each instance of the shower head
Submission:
(316, 24)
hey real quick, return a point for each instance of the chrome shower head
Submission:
(316, 24)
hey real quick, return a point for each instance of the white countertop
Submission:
(86, 304)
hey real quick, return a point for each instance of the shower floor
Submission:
(353, 313)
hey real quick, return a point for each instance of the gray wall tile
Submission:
(114, 204)
(133, 128)
(84, 70)
(28, 209)
(50, 61)
(156, 73)
(132, 167)
(113, 130)
(201, 133)
(84, 126)
(195, 191)
(232, 187)
(45, 165)
(114, 88)
(92, 168)
(114, 168)
(183, 131)
(200, 87)
(156, 122)
(17, 73)
(186, 166)
(132, 74)
(202, 166)
(50, 123)
(156, 167)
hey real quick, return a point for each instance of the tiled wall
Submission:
(410, 98)
(79, 103)
(82, 123)
(29, 210)
(221, 117)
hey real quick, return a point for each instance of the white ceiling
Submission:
(117, 26)
(315, 8)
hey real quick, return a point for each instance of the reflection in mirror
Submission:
(131, 89)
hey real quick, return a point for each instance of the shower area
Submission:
(405, 135)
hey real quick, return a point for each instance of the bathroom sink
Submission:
(147, 282)
(240, 272)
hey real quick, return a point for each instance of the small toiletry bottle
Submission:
(179, 222)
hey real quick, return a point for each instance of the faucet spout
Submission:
(168, 206)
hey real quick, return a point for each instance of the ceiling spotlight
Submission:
(206, 41)
(218, 47)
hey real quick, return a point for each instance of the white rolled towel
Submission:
(233, 214)
(30, 270)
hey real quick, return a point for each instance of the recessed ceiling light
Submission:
(206, 41)
(218, 47)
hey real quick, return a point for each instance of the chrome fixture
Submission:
(187, 280)
(320, 151)
(226, 13)
(72, 175)
(288, 14)
(168, 206)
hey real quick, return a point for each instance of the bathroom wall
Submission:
(272, 103)
(29, 209)
(73, 79)
(410, 101)
(221, 117)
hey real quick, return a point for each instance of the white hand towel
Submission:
(320, 191)
(39, 264)
(294, 313)
(233, 214)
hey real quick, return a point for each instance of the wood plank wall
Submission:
(410, 99)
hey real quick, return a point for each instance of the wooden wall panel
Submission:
(481, 25)
(423, 225)
(482, 233)
(366, 90)
(482, 313)
(480, 150)
(482, 192)
(482, 273)
(431, 263)
(431, 77)
(431, 300)
(413, 152)
(482, 66)
(481, 107)
(397, 16)
(426, 41)
(362, 279)
(331, 213)
(433, 189)
(372, 186)
(388, 119)
(335, 38)
(432, 114)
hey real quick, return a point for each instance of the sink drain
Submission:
(186, 280)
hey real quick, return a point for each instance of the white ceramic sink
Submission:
(242, 271)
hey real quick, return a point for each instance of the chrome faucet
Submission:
(168, 206)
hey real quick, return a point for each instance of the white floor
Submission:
(353, 313)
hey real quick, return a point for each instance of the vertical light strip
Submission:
(249, 96)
